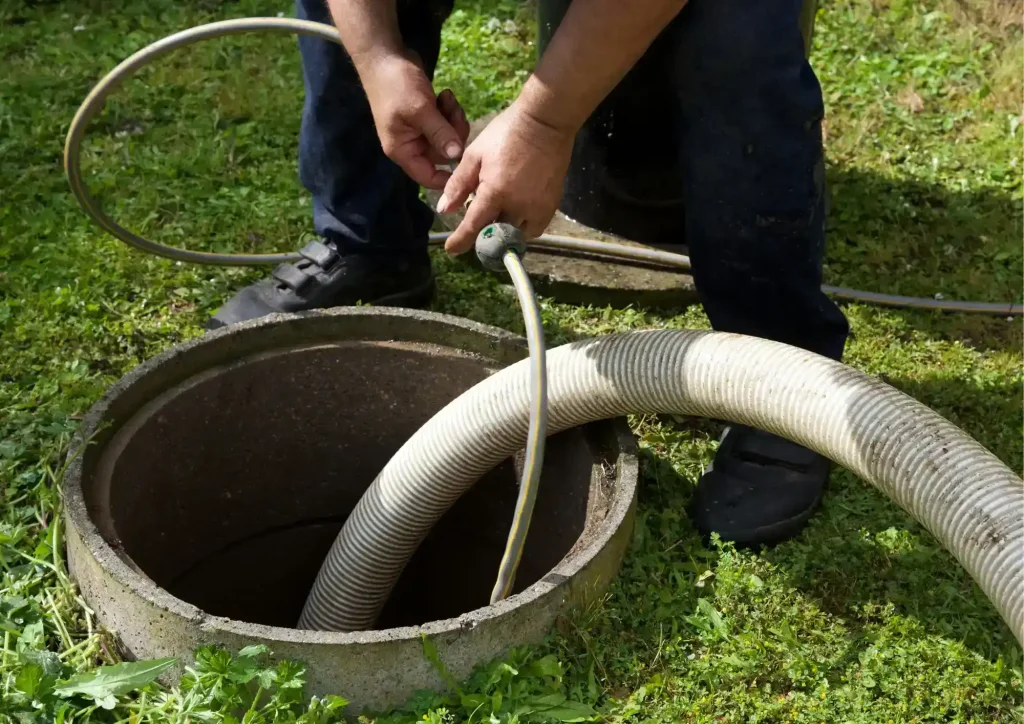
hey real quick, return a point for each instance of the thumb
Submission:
(440, 134)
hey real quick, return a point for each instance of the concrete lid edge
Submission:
(76, 513)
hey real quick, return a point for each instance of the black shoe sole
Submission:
(415, 298)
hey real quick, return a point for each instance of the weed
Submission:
(863, 619)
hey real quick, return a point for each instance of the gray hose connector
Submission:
(970, 501)
(494, 242)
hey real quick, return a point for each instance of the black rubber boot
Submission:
(760, 489)
(325, 278)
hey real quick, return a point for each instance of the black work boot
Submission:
(760, 489)
(324, 277)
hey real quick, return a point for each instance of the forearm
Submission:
(596, 44)
(368, 29)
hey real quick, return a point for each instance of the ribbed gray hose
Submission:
(970, 501)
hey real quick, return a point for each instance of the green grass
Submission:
(863, 619)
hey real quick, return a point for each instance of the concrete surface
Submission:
(219, 472)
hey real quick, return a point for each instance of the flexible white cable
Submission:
(536, 437)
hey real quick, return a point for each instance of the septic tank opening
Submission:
(228, 489)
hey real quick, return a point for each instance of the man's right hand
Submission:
(417, 129)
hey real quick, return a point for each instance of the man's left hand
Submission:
(515, 169)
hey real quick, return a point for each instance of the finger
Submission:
(421, 169)
(415, 58)
(461, 124)
(483, 211)
(439, 133)
(446, 103)
(449, 106)
(437, 158)
(533, 228)
(506, 217)
(461, 184)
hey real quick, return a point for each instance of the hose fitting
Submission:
(496, 240)
(501, 247)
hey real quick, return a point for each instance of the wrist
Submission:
(555, 111)
(368, 61)
(386, 75)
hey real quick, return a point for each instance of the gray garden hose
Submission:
(94, 102)
(97, 97)
(500, 247)
(970, 501)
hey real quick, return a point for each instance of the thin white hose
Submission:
(970, 501)
(536, 440)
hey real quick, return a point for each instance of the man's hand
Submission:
(515, 168)
(517, 165)
(417, 130)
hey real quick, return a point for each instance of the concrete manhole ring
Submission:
(217, 474)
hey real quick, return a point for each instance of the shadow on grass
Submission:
(902, 236)
(916, 237)
(654, 591)
(467, 290)
(864, 566)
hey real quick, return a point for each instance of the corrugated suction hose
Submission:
(970, 501)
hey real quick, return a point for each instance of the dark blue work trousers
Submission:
(750, 111)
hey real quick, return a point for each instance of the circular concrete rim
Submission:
(111, 562)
